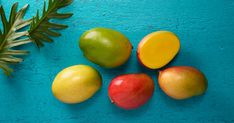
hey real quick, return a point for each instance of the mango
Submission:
(130, 91)
(76, 84)
(182, 82)
(105, 47)
(158, 49)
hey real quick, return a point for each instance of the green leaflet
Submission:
(9, 37)
(41, 28)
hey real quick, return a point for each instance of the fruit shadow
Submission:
(180, 104)
(111, 72)
(142, 69)
(75, 108)
(134, 113)
(183, 58)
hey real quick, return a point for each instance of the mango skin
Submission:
(182, 82)
(130, 91)
(76, 84)
(105, 47)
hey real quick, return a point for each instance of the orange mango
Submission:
(182, 82)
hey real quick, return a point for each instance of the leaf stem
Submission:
(43, 17)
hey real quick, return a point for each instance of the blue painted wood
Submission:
(205, 28)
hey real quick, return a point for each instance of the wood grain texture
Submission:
(205, 28)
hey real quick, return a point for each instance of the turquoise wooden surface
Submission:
(206, 30)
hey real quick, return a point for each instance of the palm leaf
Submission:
(11, 36)
(41, 28)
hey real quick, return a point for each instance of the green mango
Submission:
(105, 47)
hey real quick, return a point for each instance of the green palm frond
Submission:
(41, 27)
(11, 36)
